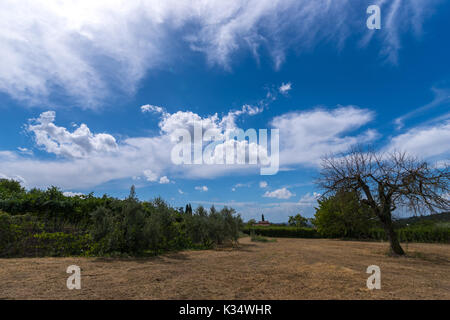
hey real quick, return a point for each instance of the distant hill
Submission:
(432, 219)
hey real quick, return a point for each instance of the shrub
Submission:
(343, 216)
(57, 225)
(415, 234)
(283, 232)
(59, 244)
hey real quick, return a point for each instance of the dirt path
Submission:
(286, 269)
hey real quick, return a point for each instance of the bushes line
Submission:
(104, 226)
(415, 234)
(283, 232)
(407, 234)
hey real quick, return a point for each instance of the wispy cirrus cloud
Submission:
(92, 50)
(441, 99)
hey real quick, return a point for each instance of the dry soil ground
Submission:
(286, 269)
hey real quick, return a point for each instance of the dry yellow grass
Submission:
(286, 269)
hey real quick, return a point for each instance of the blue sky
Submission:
(75, 75)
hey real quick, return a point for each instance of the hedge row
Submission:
(283, 232)
(408, 234)
(415, 234)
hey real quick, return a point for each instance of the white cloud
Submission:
(25, 151)
(306, 136)
(263, 184)
(240, 185)
(399, 17)
(441, 99)
(164, 180)
(425, 142)
(18, 178)
(92, 159)
(282, 193)
(201, 188)
(309, 199)
(91, 49)
(60, 141)
(72, 194)
(150, 175)
(285, 88)
(151, 108)
(180, 191)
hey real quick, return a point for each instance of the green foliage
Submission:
(344, 215)
(258, 238)
(415, 234)
(25, 235)
(155, 227)
(9, 188)
(56, 225)
(59, 244)
(282, 232)
(298, 221)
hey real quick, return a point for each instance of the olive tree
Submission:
(387, 182)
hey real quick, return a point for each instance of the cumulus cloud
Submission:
(90, 159)
(151, 108)
(282, 193)
(263, 184)
(60, 141)
(201, 188)
(150, 175)
(90, 49)
(164, 180)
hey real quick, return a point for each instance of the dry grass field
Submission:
(285, 269)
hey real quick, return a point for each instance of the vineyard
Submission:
(48, 223)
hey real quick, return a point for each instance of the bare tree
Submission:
(387, 182)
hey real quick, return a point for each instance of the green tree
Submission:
(9, 188)
(344, 215)
(298, 221)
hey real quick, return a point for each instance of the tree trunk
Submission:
(393, 240)
(392, 235)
